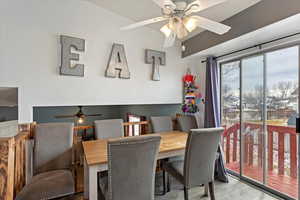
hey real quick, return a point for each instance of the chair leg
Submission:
(212, 190)
(205, 190)
(164, 182)
(168, 183)
(186, 193)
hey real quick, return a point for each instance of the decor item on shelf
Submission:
(67, 43)
(156, 58)
(191, 96)
(117, 64)
(180, 22)
(80, 115)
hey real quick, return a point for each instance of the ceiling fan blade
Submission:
(144, 23)
(170, 40)
(93, 115)
(210, 25)
(199, 5)
(165, 4)
(64, 116)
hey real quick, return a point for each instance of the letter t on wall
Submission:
(66, 55)
(156, 58)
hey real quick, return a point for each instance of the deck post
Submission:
(293, 155)
(270, 150)
(280, 153)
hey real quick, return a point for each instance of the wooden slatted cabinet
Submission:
(7, 163)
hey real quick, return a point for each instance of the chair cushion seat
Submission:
(48, 185)
(175, 166)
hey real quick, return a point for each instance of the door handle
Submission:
(297, 125)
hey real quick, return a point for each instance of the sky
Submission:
(282, 66)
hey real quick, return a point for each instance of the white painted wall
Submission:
(29, 57)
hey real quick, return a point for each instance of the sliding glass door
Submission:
(282, 76)
(230, 98)
(259, 101)
(252, 123)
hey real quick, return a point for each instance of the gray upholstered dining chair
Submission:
(161, 124)
(164, 124)
(199, 163)
(110, 128)
(49, 162)
(186, 123)
(131, 168)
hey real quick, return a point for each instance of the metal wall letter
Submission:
(66, 55)
(117, 63)
(155, 58)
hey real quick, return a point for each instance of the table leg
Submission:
(93, 183)
(86, 180)
(91, 180)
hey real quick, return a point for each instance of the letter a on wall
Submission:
(67, 43)
(117, 64)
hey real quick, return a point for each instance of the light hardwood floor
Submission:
(234, 190)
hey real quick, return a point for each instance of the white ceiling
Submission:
(277, 30)
(138, 10)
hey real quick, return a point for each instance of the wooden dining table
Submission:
(95, 152)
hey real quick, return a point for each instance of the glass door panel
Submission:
(252, 126)
(282, 109)
(230, 103)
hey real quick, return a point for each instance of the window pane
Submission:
(230, 76)
(252, 120)
(282, 109)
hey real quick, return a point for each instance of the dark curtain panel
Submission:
(212, 111)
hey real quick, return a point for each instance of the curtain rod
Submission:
(257, 45)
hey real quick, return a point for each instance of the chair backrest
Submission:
(131, 167)
(200, 156)
(53, 144)
(161, 124)
(186, 123)
(110, 128)
(199, 119)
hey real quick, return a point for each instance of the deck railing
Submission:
(281, 140)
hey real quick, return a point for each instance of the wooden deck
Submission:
(282, 183)
(282, 154)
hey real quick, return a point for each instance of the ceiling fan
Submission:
(180, 20)
(80, 115)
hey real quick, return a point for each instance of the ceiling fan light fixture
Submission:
(176, 24)
(80, 120)
(181, 32)
(181, 23)
(166, 30)
(190, 23)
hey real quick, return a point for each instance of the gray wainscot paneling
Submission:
(47, 114)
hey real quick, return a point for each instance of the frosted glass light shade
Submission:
(190, 23)
(166, 30)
